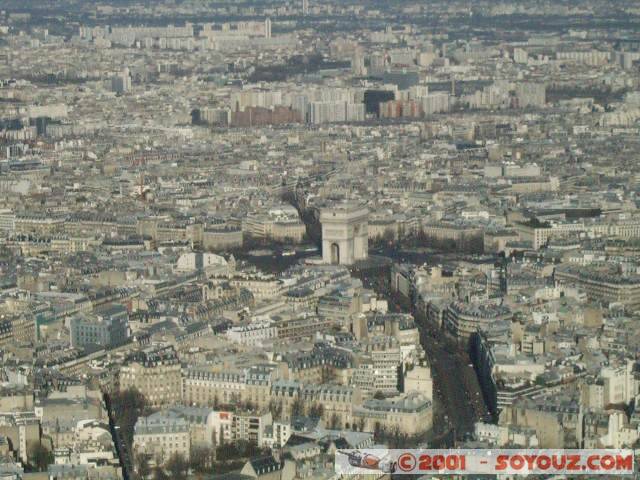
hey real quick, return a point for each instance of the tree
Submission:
(388, 236)
(227, 451)
(142, 466)
(361, 425)
(178, 466)
(378, 395)
(378, 432)
(248, 449)
(159, 474)
(395, 432)
(297, 407)
(316, 410)
(220, 437)
(275, 407)
(214, 445)
(200, 459)
(128, 405)
(334, 421)
(403, 441)
(40, 457)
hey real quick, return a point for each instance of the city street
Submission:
(456, 388)
(457, 396)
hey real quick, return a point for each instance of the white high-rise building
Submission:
(267, 28)
(357, 64)
(436, 102)
(336, 112)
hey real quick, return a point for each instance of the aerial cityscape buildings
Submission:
(237, 236)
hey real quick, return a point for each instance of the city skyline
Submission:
(237, 237)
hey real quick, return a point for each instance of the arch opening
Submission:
(335, 254)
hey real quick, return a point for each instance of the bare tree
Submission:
(178, 466)
(200, 459)
(334, 421)
(40, 457)
(297, 407)
(142, 466)
(316, 410)
(159, 474)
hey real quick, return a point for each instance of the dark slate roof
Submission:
(265, 464)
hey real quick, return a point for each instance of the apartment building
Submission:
(464, 319)
(156, 373)
(411, 413)
(602, 284)
(206, 388)
(161, 436)
(107, 326)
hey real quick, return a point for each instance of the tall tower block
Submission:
(267, 28)
(345, 234)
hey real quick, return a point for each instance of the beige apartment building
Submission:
(411, 413)
(601, 285)
(161, 437)
(156, 373)
(207, 388)
(267, 228)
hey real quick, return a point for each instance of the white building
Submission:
(190, 262)
(253, 334)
